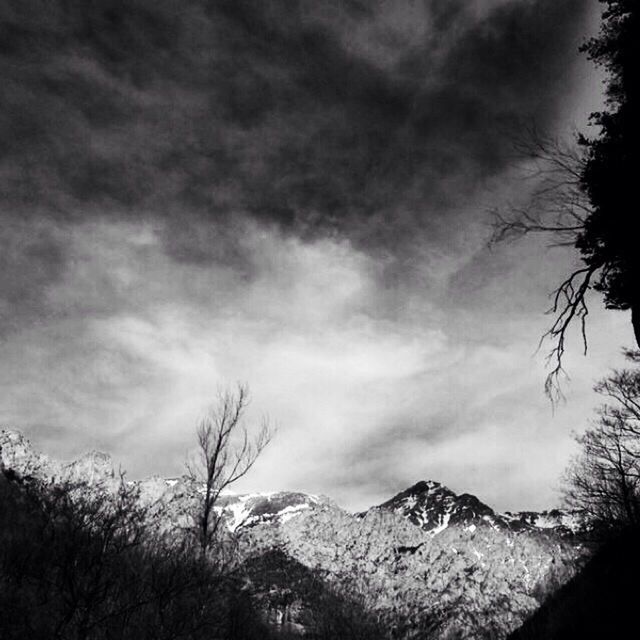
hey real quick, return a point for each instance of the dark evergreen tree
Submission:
(586, 195)
(608, 242)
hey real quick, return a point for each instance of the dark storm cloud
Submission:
(31, 258)
(287, 192)
(224, 107)
(332, 118)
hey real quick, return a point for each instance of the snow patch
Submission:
(443, 524)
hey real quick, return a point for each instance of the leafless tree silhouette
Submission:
(225, 453)
(558, 208)
(586, 191)
(604, 480)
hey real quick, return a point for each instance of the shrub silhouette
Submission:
(80, 564)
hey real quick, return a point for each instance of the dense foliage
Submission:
(80, 564)
(584, 195)
(297, 599)
(608, 240)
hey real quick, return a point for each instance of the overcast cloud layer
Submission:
(292, 194)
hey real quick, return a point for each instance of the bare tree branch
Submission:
(569, 304)
(558, 208)
(604, 480)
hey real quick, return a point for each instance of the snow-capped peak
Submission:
(433, 507)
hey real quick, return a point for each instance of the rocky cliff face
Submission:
(426, 562)
(434, 507)
(463, 582)
(17, 454)
(172, 498)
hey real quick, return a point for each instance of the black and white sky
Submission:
(291, 193)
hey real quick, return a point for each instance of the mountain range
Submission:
(426, 561)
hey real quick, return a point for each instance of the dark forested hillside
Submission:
(78, 564)
(297, 600)
(82, 566)
(599, 602)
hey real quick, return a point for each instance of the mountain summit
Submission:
(433, 507)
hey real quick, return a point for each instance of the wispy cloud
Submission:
(291, 194)
(137, 347)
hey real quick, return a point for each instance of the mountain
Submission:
(172, 501)
(427, 504)
(427, 562)
(560, 521)
(433, 507)
(17, 454)
(247, 510)
(172, 498)
(462, 582)
(432, 563)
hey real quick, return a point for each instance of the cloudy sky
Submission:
(294, 194)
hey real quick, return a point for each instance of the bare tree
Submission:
(558, 208)
(587, 186)
(604, 480)
(225, 453)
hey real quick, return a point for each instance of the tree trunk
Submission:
(635, 321)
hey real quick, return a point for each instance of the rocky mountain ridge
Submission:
(426, 562)
(434, 507)
(427, 504)
(18, 454)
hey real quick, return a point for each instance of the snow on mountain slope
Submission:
(427, 504)
(563, 522)
(173, 500)
(434, 507)
(246, 510)
(169, 499)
